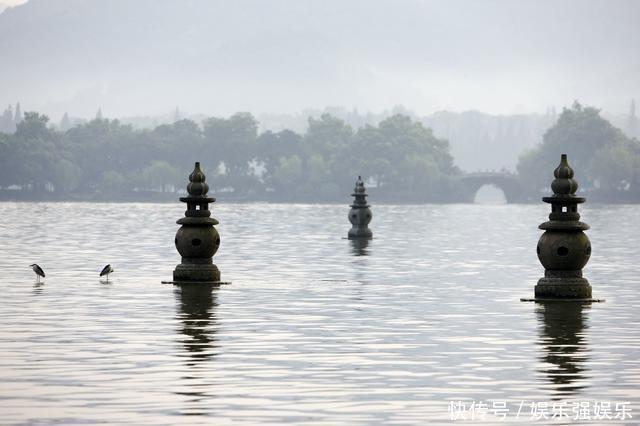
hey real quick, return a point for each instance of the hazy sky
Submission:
(12, 2)
(138, 57)
(9, 3)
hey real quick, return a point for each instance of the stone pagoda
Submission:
(564, 248)
(197, 240)
(360, 213)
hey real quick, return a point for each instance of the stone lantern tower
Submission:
(197, 240)
(564, 248)
(360, 213)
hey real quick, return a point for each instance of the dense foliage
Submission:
(607, 163)
(401, 159)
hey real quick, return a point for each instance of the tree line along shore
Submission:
(400, 158)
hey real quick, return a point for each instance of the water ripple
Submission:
(314, 328)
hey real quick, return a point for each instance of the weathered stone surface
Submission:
(196, 272)
(564, 249)
(360, 214)
(197, 240)
(559, 250)
(563, 288)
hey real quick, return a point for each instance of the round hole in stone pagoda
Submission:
(562, 251)
(588, 250)
(196, 242)
(217, 241)
(538, 249)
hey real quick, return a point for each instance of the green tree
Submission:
(34, 152)
(232, 141)
(179, 144)
(65, 122)
(18, 117)
(400, 155)
(113, 182)
(6, 121)
(160, 174)
(106, 145)
(273, 146)
(405, 157)
(5, 156)
(613, 167)
(67, 175)
(288, 175)
(601, 154)
(330, 138)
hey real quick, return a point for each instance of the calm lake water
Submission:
(312, 329)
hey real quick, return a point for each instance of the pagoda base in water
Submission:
(196, 283)
(197, 272)
(549, 299)
(360, 234)
(563, 288)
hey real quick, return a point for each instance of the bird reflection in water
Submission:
(563, 328)
(196, 312)
(359, 246)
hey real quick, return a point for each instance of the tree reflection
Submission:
(562, 336)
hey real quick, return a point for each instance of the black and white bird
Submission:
(106, 271)
(38, 270)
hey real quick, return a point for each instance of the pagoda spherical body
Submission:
(564, 250)
(197, 240)
(360, 217)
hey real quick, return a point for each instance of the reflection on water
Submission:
(359, 246)
(563, 327)
(38, 287)
(314, 329)
(196, 313)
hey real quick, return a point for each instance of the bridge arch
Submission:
(489, 194)
(507, 182)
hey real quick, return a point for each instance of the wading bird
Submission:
(106, 271)
(38, 270)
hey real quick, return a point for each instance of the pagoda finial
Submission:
(197, 186)
(563, 184)
(359, 186)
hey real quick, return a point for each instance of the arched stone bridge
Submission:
(508, 182)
